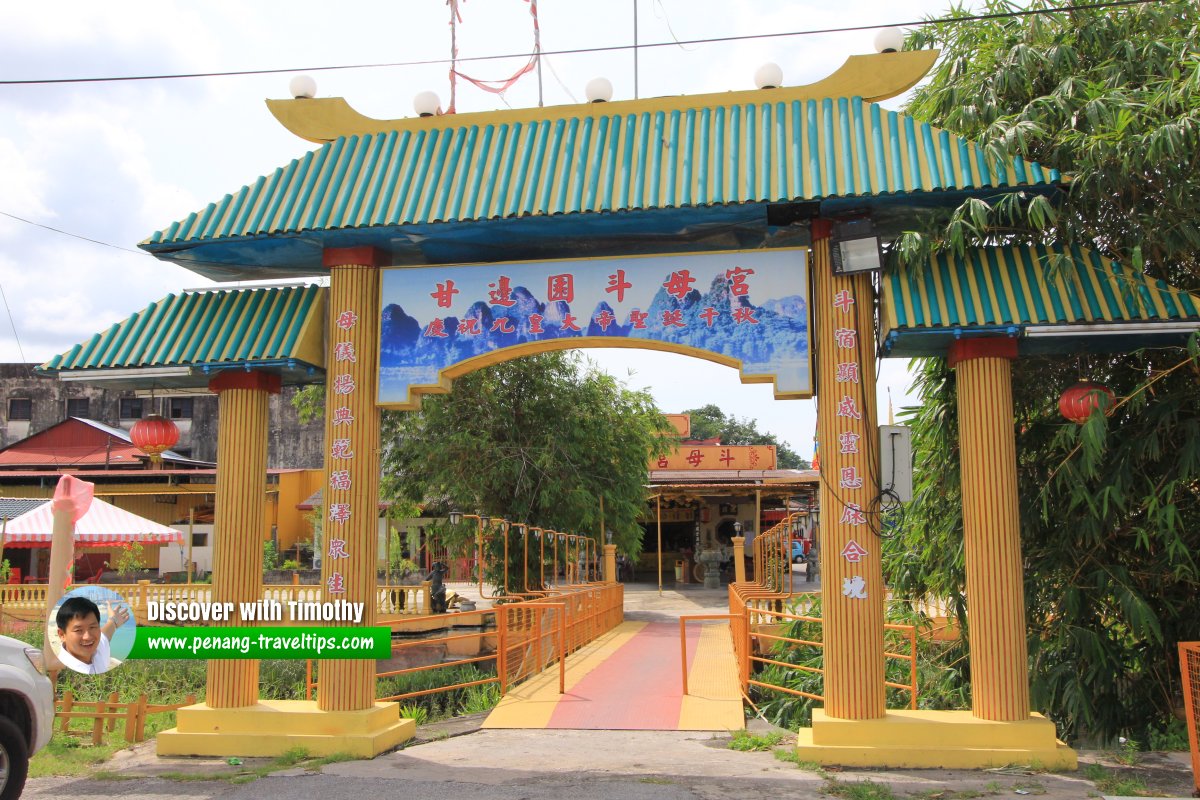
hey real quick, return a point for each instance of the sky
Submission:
(115, 161)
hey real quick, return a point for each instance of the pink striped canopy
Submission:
(104, 525)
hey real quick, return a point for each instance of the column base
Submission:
(933, 739)
(273, 727)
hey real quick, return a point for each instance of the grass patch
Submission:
(787, 754)
(790, 756)
(67, 756)
(1115, 783)
(860, 790)
(750, 742)
(657, 781)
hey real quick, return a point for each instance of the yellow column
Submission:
(853, 591)
(238, 517)
(351, 491)
(991, 529)
(610, 563)
(739, 559)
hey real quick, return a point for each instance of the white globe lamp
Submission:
(598, 90)
(426, 104)
(303, 87)
(768, 76)
(889, 40)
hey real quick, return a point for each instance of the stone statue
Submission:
(437, 587)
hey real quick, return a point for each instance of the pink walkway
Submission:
(637, 688)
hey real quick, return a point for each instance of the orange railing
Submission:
(521, 638)
(756, 610)
(908, 633)
(1189, 667)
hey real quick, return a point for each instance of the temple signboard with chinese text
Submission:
(717, 456)
(747, 309)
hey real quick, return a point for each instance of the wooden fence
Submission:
(105, 714)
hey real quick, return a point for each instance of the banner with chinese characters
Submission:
(718, 456)
(668, 515)
(748, 309)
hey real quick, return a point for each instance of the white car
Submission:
(26, 712)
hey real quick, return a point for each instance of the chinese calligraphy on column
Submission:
(340, 449)
(847, 379)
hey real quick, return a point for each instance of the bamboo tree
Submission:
(1110, 518)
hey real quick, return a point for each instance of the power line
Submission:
(12, 322)
(72, 235)
(582, 50)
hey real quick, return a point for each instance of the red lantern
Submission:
(1078, 401)
(154, 434)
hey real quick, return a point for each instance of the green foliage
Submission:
(418, 714)
(1109, 517)
(270, 555)
(1128, 752)
(5, 571)
(941, 670)
(309, 402)
(710, 422)
(538, 439)
(1109, 534)
(1172, 737)
(1108, 96)
(170, 681)
(1115, 783)
(860, 790)
(745, 741)
(479, 699)
(72, 756)
(451, 703)
(398, 565)
(130, 559)
(290, 564)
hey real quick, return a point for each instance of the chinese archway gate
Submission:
(711, 225)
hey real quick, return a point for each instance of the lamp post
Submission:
(506, 526)
(739, 554)
(610, 557)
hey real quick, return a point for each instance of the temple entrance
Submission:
(743, 228)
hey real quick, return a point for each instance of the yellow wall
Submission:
(294, 488)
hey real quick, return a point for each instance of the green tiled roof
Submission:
(277, 329)
(589, 161)
(1033, 292)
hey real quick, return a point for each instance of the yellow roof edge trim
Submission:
(310, 344)
(873, 77)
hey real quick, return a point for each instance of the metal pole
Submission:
(191, 540)
(658, 516)
(507, 528)
(3, 533)
(635, 49)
